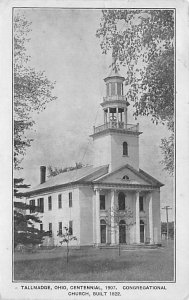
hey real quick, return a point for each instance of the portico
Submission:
(123, 214)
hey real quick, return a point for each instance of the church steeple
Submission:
(115, 141)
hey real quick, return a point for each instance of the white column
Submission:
(97, 200)
(108, 115)
(113, 229)
(137, 219)
(151, 229)
(104, 117)
(125, 112)
(117, 116)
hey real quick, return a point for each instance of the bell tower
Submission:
(115, 141)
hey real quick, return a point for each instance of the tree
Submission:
(143, 42)
(66, 236)
(32, 89)
(171, 229)
(53, 171)
(114, 220)
(24, 231)
(167, 146)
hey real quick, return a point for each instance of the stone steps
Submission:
(130, 247)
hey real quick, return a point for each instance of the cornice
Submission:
(115, 103)
(136, 187)
(116, 130)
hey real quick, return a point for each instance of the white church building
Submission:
(94, 201)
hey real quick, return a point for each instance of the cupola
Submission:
(115, 141)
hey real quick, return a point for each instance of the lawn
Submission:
(96, 265)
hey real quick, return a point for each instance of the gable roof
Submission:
(139, 177)
(84, 174)
(97, 175)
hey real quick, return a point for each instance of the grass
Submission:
(96, 265)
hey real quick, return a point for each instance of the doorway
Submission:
(122, 232)
(141, 231)
(102, 231)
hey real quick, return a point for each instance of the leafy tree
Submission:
(66, 236)
(53, 171)
(114, 216)
(32, 89)
(143, 42)
(167, 146)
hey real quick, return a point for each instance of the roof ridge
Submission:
(69, 171)
(67, 178)
(93, 172)
(56, 176)
(111, 173)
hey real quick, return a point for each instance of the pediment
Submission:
(128, 175)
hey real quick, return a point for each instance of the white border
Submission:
(178, 290)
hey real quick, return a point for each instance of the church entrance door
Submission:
(122, 232)
(141, 231)
(103, 231)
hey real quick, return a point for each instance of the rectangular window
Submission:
(102, 202)
(50, 229)
(41, 227)
(40, 204)
(71, 227)
(121, 201)
(50, 203)
(70, 199)
(60, 201)
(112, 88)
(60, 227)
(141, 203)
(32, 206)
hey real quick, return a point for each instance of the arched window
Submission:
(125, 148)
(122, 222)
(121, 201)
(102, 222)
(125, 177)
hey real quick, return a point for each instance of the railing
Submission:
(114, 98)
(117, 125)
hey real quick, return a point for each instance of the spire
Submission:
(114, 67)
(114, 70)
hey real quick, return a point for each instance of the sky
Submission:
(64, 45)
